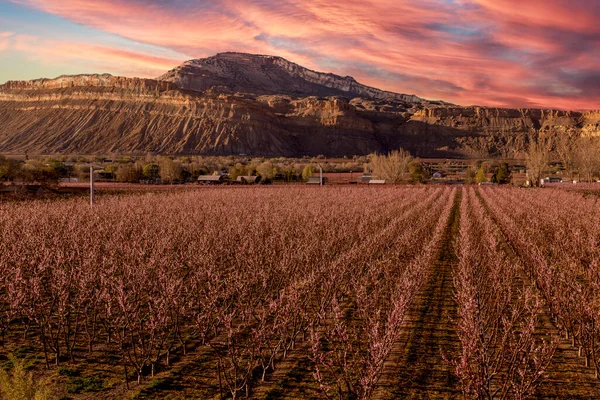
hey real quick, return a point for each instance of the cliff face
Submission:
(151, 116)
(101, 114)
(91, 81)
(248, 73)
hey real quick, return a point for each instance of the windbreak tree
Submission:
(151, 171)
(565, 147)
(266, 170)
(9, 169)
(587, 158)
(237, 170)
(129, 173)
(537, 159)
(391, 167)
(170, 171)
(502, 176)
(418, 173)
(481, 176)
(307, 172)
(470, 175)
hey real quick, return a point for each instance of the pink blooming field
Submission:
(298, 292)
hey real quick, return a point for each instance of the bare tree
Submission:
(564, 145)
(587, 158)
(537, 159)
(170, 170)
(391, 167)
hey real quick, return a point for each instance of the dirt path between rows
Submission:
(416, 368)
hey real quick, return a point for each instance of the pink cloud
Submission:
(577, 15)
(489, 52)
(4, 40)
(94, 56)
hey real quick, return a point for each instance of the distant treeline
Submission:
(572, 157)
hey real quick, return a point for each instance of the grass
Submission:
(91, 384)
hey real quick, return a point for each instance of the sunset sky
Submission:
(508, 53)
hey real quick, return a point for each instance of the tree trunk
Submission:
(126, 376)
(220, 382)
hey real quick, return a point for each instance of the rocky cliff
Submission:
(261, 106)
(91, 81)
(258, 74)
(134, 116)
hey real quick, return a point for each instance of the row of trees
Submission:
(503, 351)
(49, 171)
(170, 171)
(45, 172)
(560, 253)
(154, 279)
(578, 155)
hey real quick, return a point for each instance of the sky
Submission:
(499, 53)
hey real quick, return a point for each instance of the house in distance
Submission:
(316, 180)
(211, 179)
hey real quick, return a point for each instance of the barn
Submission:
(211, 179)
(315, 180)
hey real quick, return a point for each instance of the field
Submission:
(299, 293)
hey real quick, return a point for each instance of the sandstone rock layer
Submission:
(257, 105)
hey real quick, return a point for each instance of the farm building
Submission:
(211, 179)
(31, 190)
(341, 177)
(553, 179)
(315, 180)
(366, 178)
(249, 180)
(377, 182)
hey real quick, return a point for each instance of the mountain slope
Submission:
(233, 104)
(258, 74)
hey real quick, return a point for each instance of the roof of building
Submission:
(21, 188)
(315, 180)
(210, 178)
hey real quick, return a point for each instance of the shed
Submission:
(34, 190)
(366, 178)
(316, 180)
(211, 179)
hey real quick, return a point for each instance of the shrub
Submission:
(481, 176)
(20, 384)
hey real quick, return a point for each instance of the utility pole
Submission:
(320, 175)
(91, 185)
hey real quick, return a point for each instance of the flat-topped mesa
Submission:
(91, 81)
(262, 74)
(503, 119)
(236, 103)
(490, 112)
